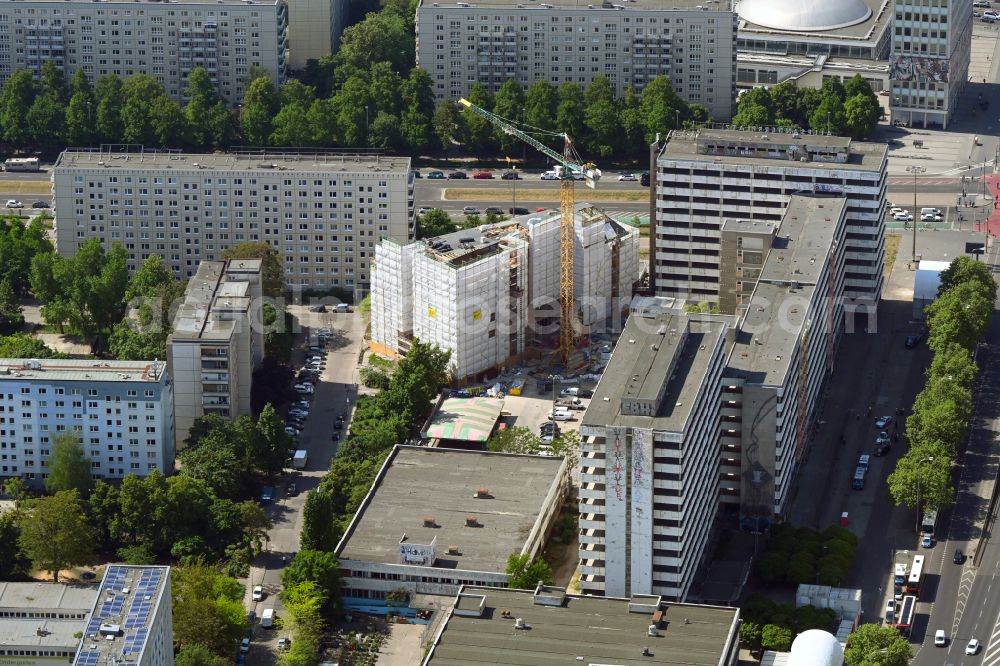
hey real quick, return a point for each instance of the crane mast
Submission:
(571, 165)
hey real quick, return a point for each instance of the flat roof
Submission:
(649, 348)
(804, 240)
(775, 314)
(581, 629)
(683, 145)
(272, 160)
(81, 370)
(594, 5)
(214, 289)
(869, 30)
(127, 602)
(467, 419)
(41, 633)
(158, 3)
(420, 482)
(47, 596)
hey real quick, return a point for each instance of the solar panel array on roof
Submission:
(133, 644)
(143, 599)
(87, 658)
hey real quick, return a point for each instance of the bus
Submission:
(21, 164)
(904, 615)
(927, 525)
(916, 573)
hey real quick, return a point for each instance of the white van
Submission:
(864, 460)
(560, 415)
(267, 618)
(342, 307)
(931, 211)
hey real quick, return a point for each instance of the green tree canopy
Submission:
(319, 567)
(526, 573)
(935, 486)
(874, 645)
(69, 467)
(55, 534)
(433, 223)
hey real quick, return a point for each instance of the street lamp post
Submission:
(677, 119)
(919, 463)
(916, 171)
(366, 121)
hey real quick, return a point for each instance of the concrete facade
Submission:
(632, 43)
(705, 177)
(166, 40)
(314, 28)
(929, 65)
(324, 213)
(122, 412)
(487, 294)
(217, 342)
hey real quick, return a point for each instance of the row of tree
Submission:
(956, 321)
(769, 625)
(310, 592)
(842, 109)
(379, 423)
(803, 555)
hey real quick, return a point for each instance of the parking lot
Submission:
(531, 409)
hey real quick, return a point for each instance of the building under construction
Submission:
(491, 293)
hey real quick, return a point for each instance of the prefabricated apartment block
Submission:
(487, 294)
(697, 413)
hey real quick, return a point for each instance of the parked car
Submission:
(959, 556)
(550, 175)
(423, 210)
(644, 179)
(913, 340)
(882, 437)
(883, 421)
(40, 204)
(14, 203)
(318, 308)
(340, 417)
(417, 174)
(457, 175)
(930, 217)
(245, 645)
(896, 209)
(627, 178)
(572, 390)
(483, 175)
(890, 607)
(972, 647)
(258, 593)
(882, 448)
(510, 175)
(284, 643)
(517, 210)
(903, 217)
(338, 425)
(470, 210)
(586, 393)
(289, 430)
(435, 175)
(539, 210)
(303, 388)
(578, 175)
(293, 489)
(495, 210)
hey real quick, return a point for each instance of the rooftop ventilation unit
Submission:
(429, 521)
(472, 521)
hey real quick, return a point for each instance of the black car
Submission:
(40, 204)
(337, 425)
(882, 449)
(318, 308)
(959, 556)
(417, 174)
(510, 175)
(457, 175)
(336, 437)
(913, 340)
(495, 210)
(340, 417)
(644, 179)
(585, 393)
(517, 210)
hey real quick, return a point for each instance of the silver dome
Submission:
(803, 15)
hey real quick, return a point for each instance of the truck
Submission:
(267, 618)
(299, 459)
(266, 494)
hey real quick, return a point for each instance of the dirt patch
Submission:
(892, 242)
(544, 196)
(67, 344)
(28, 186)
(563, 558)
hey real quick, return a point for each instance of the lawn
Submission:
(891, 249)
(544, 196)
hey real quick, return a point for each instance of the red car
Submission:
(483, 175)
(539, 210)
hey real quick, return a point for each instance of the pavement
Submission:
(335, 394)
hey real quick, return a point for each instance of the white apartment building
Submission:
(121, 410)
(314, 28)
(217, 342)
(487, 294)
(323, 213)
(705, 177)
(649, 460)
(39, 622)
(166, 40)
(929, 65)
(631, 42)
(784, 348)
(131, 621)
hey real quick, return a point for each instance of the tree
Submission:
(829, 116)
(433, 223)
(874, 645)
(126, 343)
(601, 117)
(46, 121)
(108, 92)
(318, 531)
(384, 131)
(540, 103)
(199, 655)
(509, 103)
(833, 88)
(959, 315)
(380, 37)
(963, 270)
(202, 99)
(140, 93)
(81, 114)
(525, 573)
(291, 126)
(69, 468)
(861, 115)
(260, 105)
(55, 534)
(208, 609)
(16, 99)
(13, 563)
(415, 129)
(272, 272)
(315, 566)
(954, 362)
(751, 635)
(167, 121)
(22, 345)
(274, 441)
(514, 440)
(856, 85)
(447, 123)
(353, 109)
(774, 637)
(936, 490)
(570, 111)
(659, 106)
(11, 319)
(630, 120)
(758, 97)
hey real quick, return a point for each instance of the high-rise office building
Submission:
(323, 213)
(166, 40)
(630, 42)
(929, 65)
(122, 411)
